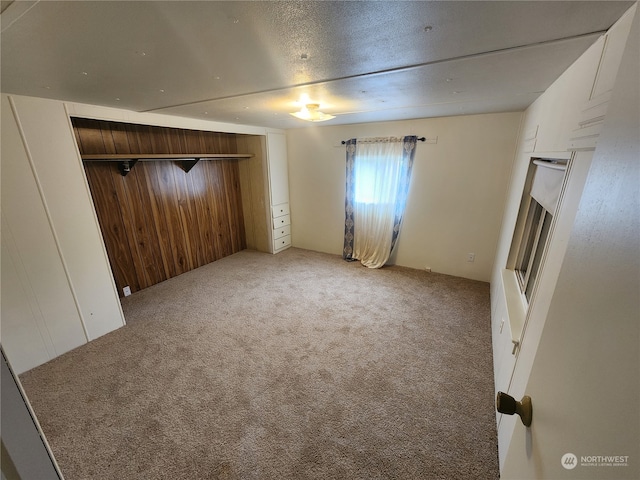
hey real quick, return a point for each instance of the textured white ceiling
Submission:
(242, 62)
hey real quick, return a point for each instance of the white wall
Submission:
(551, 128)
(58, 292)
(40, 319)
(584, 382)
(565, 335)
(456, 198)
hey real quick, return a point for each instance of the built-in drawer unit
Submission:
(281, 233)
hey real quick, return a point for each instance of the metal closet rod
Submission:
(420, 139)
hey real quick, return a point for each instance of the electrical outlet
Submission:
(127, 291)
(428, 269)
(471, 257)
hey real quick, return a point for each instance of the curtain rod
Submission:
(420, 139)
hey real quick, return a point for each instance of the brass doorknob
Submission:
(508, 405)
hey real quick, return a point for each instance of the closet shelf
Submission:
(110, 157)
(188, 160)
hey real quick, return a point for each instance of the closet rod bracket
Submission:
(189, 163)
(125, 166)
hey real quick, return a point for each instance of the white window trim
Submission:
(518, 306)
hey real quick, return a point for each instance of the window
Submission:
(537, 225)
(378, 173)
(365, 180)
(534, 226)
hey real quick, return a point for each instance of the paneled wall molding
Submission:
(585, 137)
(529, 138)
(530, 133)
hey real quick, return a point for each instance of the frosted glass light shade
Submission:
(311, 113)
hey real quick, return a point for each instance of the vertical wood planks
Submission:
(206, 232)
(97, 136)
(158, 221)
(100, 178)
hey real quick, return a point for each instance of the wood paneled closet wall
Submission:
(159, 221)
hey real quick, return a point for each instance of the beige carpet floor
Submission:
(290, 366)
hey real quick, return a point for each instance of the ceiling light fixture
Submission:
(311, 113)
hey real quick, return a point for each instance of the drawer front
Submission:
(282, 243)
(280, 210)
(281, 221)
(281, 232)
